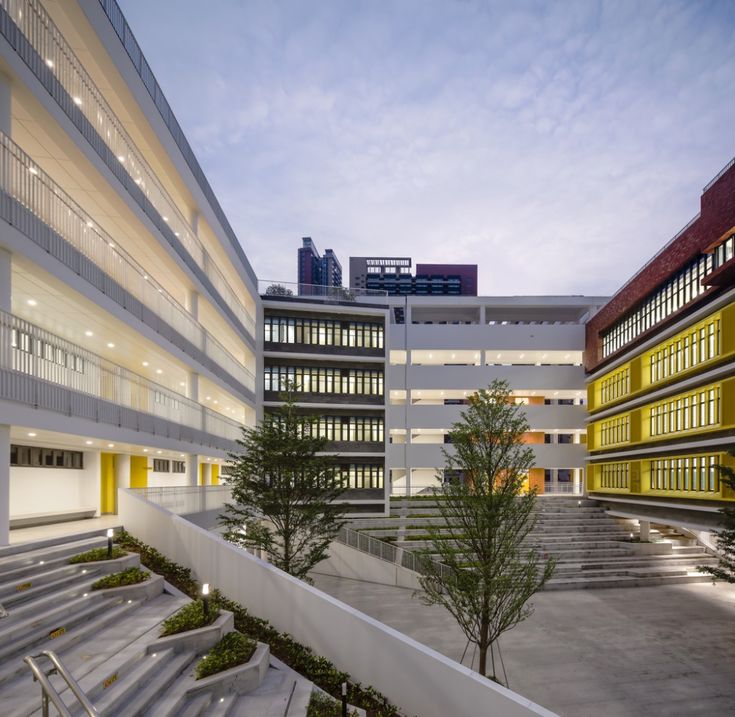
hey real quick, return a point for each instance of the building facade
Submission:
(316, 271)
(441, 351)
(661, 363)
(128, 310)
(393, 276)
(332, 353)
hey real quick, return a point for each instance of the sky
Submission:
(558, 145)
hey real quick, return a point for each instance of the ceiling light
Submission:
(556, 393)
(176, 234)
(32, 435)
(159, 452)
(499, 355)
(90, 224)
(207, 398)
(159, 371)
(165, 219)
(88, 333)
(544, 356)
(49, 63)
(89, 443)
(145, 276)
(137, 181)
(32, 170)
(145, 450)
(112, 244)
(110, 345)
(120, 158)
(453, 355)
(145, 363)
(216, 401)
(182, 383)
(110, 445)
(32, 302)
(181, 454)
(77, 101)
(522, 356)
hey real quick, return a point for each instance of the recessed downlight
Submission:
(77, 101)
(110, 445)
(145, 450)
(32, 302)
(89, 443)
(32, 435)
(145, 363)
(110, 345)
(89, 333)
(49, 63)
(159, 371)
(32, 170)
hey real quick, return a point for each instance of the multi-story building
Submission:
(441, 351)
(332, 352)
(661, 363)
(393, 276)
(128, 310)
(317, 271)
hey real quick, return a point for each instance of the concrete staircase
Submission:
(110, 642)
(592, 549)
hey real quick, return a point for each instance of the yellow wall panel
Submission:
(138, 471)
(108, 486)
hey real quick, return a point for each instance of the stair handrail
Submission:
(48, 691)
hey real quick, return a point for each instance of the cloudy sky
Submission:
(556, 144)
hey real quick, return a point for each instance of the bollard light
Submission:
(110, 533)
(344, 699)
(579, 504)
(205, 599)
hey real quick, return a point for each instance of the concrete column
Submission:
(192, 303)
(6, 276)
(194, 221)
(194, 386)
(207, 474)
(5, 104)
(4, 485)
(192, 469)
(577, 480)
(645, 529)
(483, 357)
(483, 316)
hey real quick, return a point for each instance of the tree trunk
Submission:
(483, 645)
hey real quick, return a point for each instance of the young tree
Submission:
(283, 491)
(725, 569)
(485, 573)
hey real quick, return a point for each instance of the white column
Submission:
(577, 480)
(194, 221)
(122, 470)
(645, 530)
(90, 492)
(6, 275)
(192, 469)
(206, 474)
(483, 317)
(5, 104)
(194, 386)
(192, 303)
(4, 485)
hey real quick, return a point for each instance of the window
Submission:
(360, 476)
(685, 473)
(686, 412)
(314, 379)
(323, 332)
(178, 467)
(615, 386)
(678, 291)
(615, 430)
(697, 345)
(34, 456)
(161, 466)
(615, 475)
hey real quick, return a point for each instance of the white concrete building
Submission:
(443, 349)
(128, 310)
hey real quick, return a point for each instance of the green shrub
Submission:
(92, 556)
(232, 650)
(131, 576)
(321, 705)
(189, 617)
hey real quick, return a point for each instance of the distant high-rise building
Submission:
(393, 275)
(315, 270)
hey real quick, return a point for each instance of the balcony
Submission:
(43, 371)
(292, 291)
(44, 213)
(38, 42)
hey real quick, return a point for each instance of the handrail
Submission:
(48, 691)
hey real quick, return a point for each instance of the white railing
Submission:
(27, 188)
(71, 380)
(185, 500)
(316, 292)
(561, 489)
(52, 60)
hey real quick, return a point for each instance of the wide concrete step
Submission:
(624, 581)
(52, 555)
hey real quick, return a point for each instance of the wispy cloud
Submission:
(557, 145)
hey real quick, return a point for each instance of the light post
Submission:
(110, 533)
(205, 600)
(344, 699)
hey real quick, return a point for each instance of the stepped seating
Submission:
(592, 549)
(110, 642)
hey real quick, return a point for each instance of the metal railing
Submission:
(390, 553)
(316, 292)
(69, 379)
(28, 194)
(50, 693)
(561, 489)
(31, 32)
(184, 500)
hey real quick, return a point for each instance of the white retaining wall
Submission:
(416, 678)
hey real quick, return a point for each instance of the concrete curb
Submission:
(142, 591)
(241, 679)
(202, 638)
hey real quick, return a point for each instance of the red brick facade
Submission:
(717, 216)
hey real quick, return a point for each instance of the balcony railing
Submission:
(27, 193)
(316, 292)
(31, 32)
(42, 370)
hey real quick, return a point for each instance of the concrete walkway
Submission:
(60, 530)
(667, 650)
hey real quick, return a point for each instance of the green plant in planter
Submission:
(131, 576)
(189, 617)
(232, 650)
(321, 705)
(92, 556)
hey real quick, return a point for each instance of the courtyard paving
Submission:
(625, 652)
